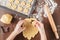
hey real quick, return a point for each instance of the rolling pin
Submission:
(51, 21)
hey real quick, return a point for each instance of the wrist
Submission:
(15, 32)
(12, 36)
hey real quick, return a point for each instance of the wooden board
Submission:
(49, 33)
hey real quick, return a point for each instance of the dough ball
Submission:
(30, 1)
(11, 0)
(23, 3)
(13, 6)
(28, 5)
(19, 9)
(17, 2)
(25, 10)
(6, 18)
(8, 5)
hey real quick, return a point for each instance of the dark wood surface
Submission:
(49, 33)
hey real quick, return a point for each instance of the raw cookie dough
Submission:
(6, 18)
(30, 1)
(8, 5)
(28, 5)
(16, 2)
(13, 6)
(30, 30)
(25, 10)
(22, 3)
(11, 0)
(19, 9)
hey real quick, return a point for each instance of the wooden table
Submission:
(49, 33)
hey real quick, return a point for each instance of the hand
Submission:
(18, 29)
(41, 29)
(38, 24)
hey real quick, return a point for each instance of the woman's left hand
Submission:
(40, 27)
(18, 29)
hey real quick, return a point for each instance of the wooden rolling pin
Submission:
(50, 18)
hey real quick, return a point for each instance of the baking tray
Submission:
(3, 3)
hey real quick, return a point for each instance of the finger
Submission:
(35, 22)
(37, 26)
(23, 28)
(20, 23)
(39, 23)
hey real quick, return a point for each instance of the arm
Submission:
(18, 29)
(12, 36)
(41, 29)
(42, 32)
